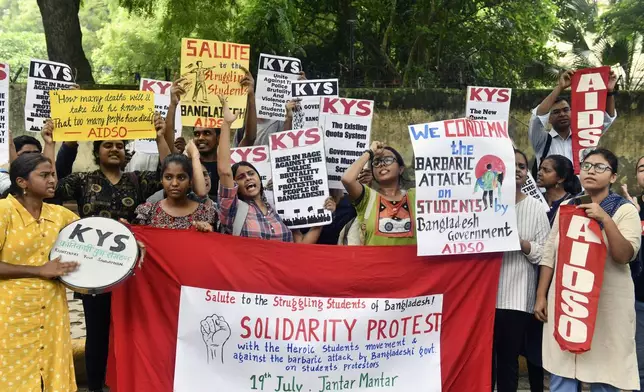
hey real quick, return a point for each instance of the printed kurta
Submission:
(35, 340)
(611, 359)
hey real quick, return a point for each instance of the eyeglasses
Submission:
(386, 161)
(599, 167)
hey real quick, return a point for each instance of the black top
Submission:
(639, 280)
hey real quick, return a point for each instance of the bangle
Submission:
(370, 154)
(611, 93)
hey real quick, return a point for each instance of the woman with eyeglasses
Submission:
(386, 216)
(611, 363)
(518, 284)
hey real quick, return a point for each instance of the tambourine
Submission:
(106, 250)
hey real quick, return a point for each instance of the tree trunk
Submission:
(64, 37)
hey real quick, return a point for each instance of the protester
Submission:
(555, 110)
(611, 363)
(557, 177)
(207, 139)
(636, 272)
(180, 144)
(180, 174)
(18, 146)
(36, 350)
(107, 192)
(386, 216)
(160, 195)
(517, 284)
(241, 192)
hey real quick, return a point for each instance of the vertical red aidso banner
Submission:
(588, 104)
(580, 264)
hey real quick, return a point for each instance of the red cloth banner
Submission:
(589, 89)
(145, 309)
(580, 272)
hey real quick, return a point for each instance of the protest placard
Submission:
(300, 182)
(346, 124)
(274, 78)
(309, 92)
(4, 113)
(465, 188)
(161, 90)
(44, 76)
(212, 68)
(491, 104)
(80, 115)
(293, 343)
(589, 89)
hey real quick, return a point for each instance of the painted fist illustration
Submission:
(215, 332)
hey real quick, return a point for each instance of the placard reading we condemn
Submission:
(102, 114)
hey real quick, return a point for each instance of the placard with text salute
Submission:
(212, 68)
(465, 188)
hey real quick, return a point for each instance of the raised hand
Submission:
(159, 124)
(291, 107)
(377, 147)
(330, 204)
(248, 81)
(177, 90)
(191, 149)
(228, 115)
(215, 332)
(55, 268)
(566, 79)
(630, 198)
(612, 81)
(47, 132)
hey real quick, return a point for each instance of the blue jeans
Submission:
(639, 339)
(561, 384)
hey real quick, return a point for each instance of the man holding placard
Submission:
(556, 111)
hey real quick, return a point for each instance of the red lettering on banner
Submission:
(465, 127)
(208, 122)
(463, 247)
(255, 154)
(308, 330)
(151, 85)
(215, 296)
(588, 103)
(580, 272)
(491, 94)
(107, 133)
(406, 326)
(3, 73)
(291, 139)
(347, 107)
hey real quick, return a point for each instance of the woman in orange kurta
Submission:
(35, 343)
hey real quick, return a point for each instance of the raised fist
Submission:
(215, 332)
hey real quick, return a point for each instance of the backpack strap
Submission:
(546, 149)
(240, 217)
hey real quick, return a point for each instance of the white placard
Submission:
(309, 93)
(44, 75)
(465, 187)
(259, 157)
(346, 124)
(274, 78)
(491, 104)
(234, 342)
(4, 113)
(161, 90)
(300, 183)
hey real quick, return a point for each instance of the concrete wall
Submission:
(397, 108)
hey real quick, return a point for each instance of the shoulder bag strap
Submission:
(240, 217)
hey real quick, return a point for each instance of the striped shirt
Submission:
(518, 279)
(559, 146)
(257, 225)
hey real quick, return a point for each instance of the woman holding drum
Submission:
(35, 345)
(110, 193)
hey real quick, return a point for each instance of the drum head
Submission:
(105, 248)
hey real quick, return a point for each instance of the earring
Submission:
(24, 192)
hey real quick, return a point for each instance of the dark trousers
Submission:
(509, 331)
(97, 324)
(486, 195)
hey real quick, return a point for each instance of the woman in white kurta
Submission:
(611, 364)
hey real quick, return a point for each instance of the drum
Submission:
(106, 250)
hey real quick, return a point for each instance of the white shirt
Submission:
(5, 182)
(559, 146)
(518, 278)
